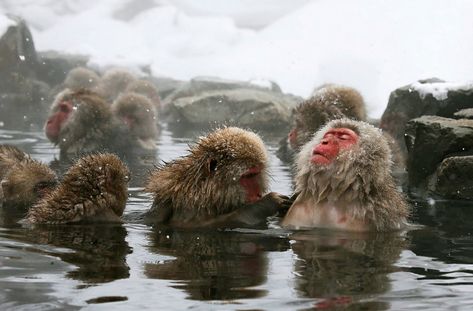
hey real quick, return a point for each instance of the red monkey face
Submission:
(251, 182)
(332, 143)
(55, 122)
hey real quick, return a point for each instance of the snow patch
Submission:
(439, 90)
(5, 22)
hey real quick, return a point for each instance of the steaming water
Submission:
(133, 266)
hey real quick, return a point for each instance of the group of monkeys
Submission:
(343, 165)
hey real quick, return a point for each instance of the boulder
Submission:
(430, 140)
(453, 178)
(464, 114)
(54, 66)
(425, 97)
(243, 107)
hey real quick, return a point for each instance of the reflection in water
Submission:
(343, 269)
(214, 265)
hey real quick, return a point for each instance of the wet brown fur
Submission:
(114, 82)
(205, 183)
(359, 178)
(94, 189)
(81, 78)
(143, 114)
(20, 177)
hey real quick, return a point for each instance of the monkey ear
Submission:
(4, 188)
(211, 166)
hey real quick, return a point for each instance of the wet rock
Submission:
(54, 67)
(430, 140)
(166, 86)
(425, 97)
(453, 178)
(246, 107)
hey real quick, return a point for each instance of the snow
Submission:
(375, 46)
(5, 22)
(439, 90)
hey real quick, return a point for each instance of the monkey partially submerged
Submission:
(344, 181)
(94, 189)
(220, 183)
(23, 180)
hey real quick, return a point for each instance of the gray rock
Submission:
(54, 66)
(410, 102)
(199, 85)
(453, 178)
(431, 139)
(254, 108)
(464, 114)
(166, 86)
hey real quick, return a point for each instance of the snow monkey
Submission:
(94, 189)
(344, 181)
(220, 183)
(23, 180)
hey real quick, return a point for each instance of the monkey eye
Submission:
(64, 107)
(211, 165)
(345, 137)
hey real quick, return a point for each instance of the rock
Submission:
(464, 114)
(426, 97)
(199, 85)
(166, 86)
(431, 139)
(453, 178)
(243, 107)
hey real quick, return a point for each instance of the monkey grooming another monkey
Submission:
(220, 183)
(139, 115)
(344, 181)
(22, 179)
(94, 189)
(82, 122)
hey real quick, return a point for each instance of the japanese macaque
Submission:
(146, 88)
(219, 184)
(23, 180)
(114, 82)
(81, 78)
(344, 181)
(327, 103)
(82, 122)
(139, 115)
(94, 189)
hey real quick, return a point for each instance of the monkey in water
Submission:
(94, 189)
(23, 180)
(146, 88)
(220, 183)
(114, 81)
(344, 181)
(139, 116)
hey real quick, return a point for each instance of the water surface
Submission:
(133, 266)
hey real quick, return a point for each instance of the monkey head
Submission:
(224, 170)
(74, 113)
(27, 181)
(114, 81)
(147, 89)
(81, 78)
(344, 158)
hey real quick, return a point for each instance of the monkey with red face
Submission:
(219, 184)
(344, 181)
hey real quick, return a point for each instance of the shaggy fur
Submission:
(141, 114)
(22, 178)
(360, 178)
(93, 189)
(327, 103)
(205, 183)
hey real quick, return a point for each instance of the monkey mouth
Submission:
(319, 158)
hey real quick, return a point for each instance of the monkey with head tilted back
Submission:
(344, 181)
(220, 183)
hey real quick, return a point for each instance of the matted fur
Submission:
(327, 103)
(81, 78)
(20, 175)
(186, 185)
(93, 189)
(360, 177)
(114, 81)
(146, 88)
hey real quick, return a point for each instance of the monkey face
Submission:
(57, 119)
(333, 141)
